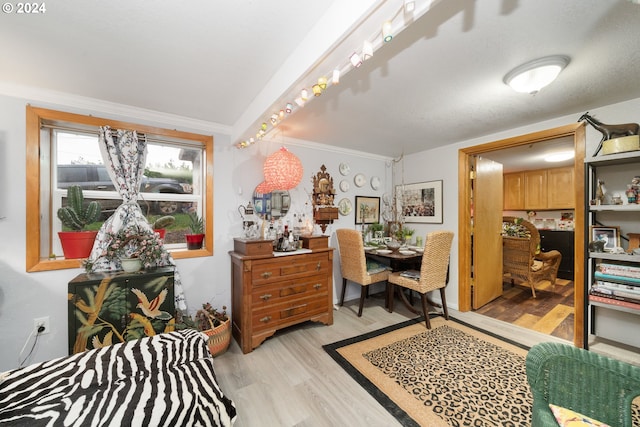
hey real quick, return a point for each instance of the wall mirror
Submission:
(271, 205)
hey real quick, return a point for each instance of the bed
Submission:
(163, 380)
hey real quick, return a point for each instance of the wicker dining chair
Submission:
(353, 264)
(522, 258)
(433, 274)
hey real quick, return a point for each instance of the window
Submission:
(62, 150)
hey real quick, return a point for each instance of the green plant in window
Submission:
(196, 224)
(75, 215)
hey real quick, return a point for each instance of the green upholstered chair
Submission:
(582, 381)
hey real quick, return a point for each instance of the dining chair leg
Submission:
(344, 288)
(423, 298)
(363, 294)
(443, 297)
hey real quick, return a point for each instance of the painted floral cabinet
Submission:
(106, 308)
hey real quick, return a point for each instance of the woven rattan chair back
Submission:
(434, 271)
(522, 258)
(353, 264)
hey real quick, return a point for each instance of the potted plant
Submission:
(196, 225)
(75, 216)
(160, 224)
(136, 249)
(213, 323)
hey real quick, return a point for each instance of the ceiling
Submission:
(235, 62)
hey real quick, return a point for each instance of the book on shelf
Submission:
(623, 270)
(609, 277)
(633, 288)
(613, 301)
(620, 295)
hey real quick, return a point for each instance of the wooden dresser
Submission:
(273, 292)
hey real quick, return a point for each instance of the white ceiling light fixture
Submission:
(532, 76)
(559, 156)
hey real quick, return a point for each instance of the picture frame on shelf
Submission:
(609, 234)
(420, 202)
(367, 210)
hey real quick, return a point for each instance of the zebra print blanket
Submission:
(164, 380)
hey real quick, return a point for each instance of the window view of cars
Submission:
(96, 178)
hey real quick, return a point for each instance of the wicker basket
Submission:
(219, 338)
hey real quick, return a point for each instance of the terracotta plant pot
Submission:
(77, 244)
(219, 338)
(194, 241)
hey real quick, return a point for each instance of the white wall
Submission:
(25, 296)
(442, 163)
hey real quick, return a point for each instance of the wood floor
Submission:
(551, 312)
(291, 381)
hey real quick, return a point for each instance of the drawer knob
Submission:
(265, 297)
(318, 266)
(317, 286)
(265, 319)
(266, 274)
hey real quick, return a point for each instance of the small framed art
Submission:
(367, 210)
(609, 235)
(421, 202)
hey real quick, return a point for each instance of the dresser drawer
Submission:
(276, 293)
(288, 267)
(288, 312)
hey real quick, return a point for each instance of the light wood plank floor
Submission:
(291, 381)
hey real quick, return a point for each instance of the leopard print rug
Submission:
(451, 375)
(465, 380)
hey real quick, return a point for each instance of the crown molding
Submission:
(39, 95)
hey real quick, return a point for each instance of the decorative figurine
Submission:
(610, 131)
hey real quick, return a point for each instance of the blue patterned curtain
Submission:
(124, 155)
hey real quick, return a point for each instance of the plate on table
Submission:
(384, 251)
(370, 248)
(407, 252)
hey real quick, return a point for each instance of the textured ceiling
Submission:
(438, 82)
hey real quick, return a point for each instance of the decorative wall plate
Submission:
(344, 169)
(344, 206)
(375, 182)
(359, 180)
(344, 185)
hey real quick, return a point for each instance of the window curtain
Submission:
(124, 154)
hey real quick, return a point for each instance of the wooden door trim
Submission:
(464, 214)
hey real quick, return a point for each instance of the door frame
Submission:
(577, 130)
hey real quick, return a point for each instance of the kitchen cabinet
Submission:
(514, 191)
(562, 241)
(541, 189)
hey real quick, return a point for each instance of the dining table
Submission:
(397, 260)
(409, 258)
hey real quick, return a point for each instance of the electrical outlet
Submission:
(43, 322)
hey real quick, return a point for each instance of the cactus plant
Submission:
(76, 216)
(163, 222)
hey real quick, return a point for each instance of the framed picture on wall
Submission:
(609, 235)
(367, 210)
(421, 202)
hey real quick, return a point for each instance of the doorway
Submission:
(465, 266)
